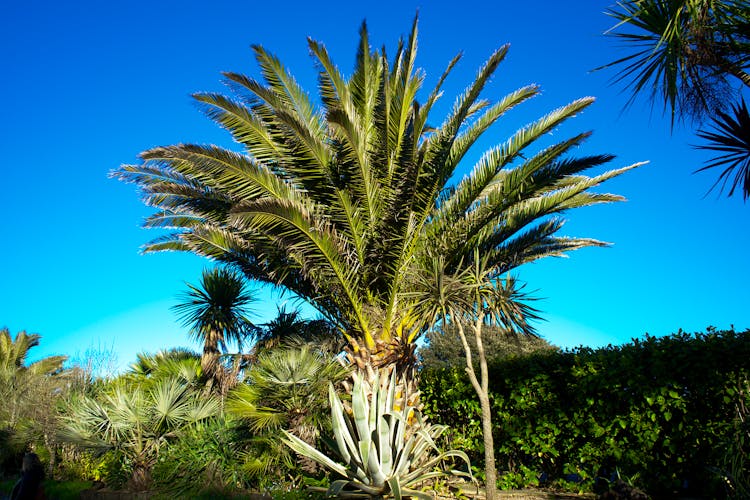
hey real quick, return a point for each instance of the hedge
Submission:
(662, 413)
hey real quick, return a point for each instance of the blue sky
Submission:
(88, 85)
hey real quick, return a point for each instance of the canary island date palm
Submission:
(216, 311)
(692, 56)
(336, 198)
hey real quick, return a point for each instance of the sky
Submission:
(89, 85)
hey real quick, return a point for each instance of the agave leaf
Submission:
(344, 441)
(425, 471)
(373, 463)
(361, 410)
(398, 435)
(404, 461)
(308, 451)
(384, 447)
(391, 399)
(337, 487)
(368, 490)
(415, 493)
(395, 485)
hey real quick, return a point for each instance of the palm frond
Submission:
(730, 139)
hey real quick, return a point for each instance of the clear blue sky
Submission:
(88, 85)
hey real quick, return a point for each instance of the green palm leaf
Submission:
(730, 139)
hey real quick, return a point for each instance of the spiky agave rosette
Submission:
(387, 447)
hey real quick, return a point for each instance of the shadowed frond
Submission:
(730, 139)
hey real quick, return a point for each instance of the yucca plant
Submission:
(386, 445)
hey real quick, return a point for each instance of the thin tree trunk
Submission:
(481, 388)
(490, 471)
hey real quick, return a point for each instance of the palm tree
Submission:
(287, 388)
(291, 328)
(689, 55)
(180, 363)
(339, 203)
(29, 393)
(216, 312)
(17, 379)
(137, 420)
(469, 297)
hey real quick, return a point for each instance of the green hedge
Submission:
(661, 412)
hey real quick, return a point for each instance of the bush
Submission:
(658, 410)
(206, 459)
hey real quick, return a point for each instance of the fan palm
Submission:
(216, 312)
(137, 420)
(287, 388)
(688, 54)
(182, 364)
(338, 202)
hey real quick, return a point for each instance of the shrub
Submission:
(658, 410)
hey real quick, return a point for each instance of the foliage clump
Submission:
(443, 350)
(663, 411)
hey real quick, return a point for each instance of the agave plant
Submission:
(387, 445)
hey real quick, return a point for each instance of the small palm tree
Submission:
(29, 392)
(291, 328)
(179, 363)
(287, 388)
(470, 297)
(216, 312)
(137, 420)
(17, 378)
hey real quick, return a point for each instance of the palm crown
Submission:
(344, 201)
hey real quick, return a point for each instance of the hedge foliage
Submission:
(661, 412)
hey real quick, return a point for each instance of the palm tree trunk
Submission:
(382, 359)
(210, 359)
(52, 455)
(141, 477)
